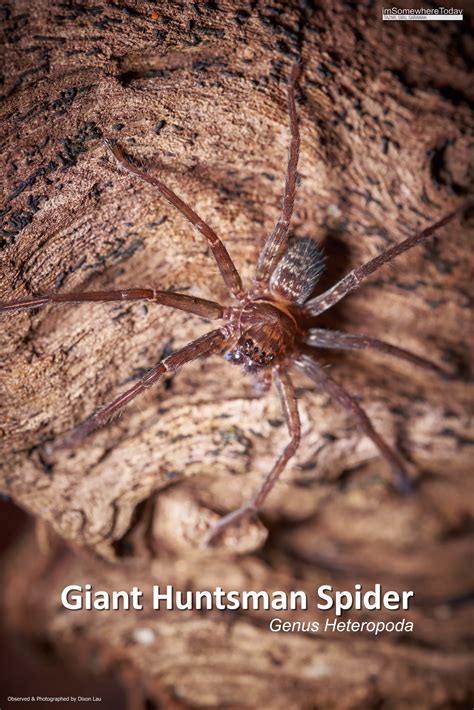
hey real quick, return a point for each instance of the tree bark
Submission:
(196, 93)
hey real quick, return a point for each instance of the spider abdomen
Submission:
(298, 271)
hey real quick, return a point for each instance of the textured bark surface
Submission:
(196, 92)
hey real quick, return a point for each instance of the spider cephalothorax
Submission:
(266, 335)
(266, 328)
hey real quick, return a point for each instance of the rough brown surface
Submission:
(196, 93)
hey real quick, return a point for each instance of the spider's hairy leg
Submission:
(287, 395)
(276, 242)
(340, 395)
(335, 340)
(226, 266)
(183, 302)
(354, 278)
(203, 346)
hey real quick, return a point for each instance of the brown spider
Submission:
(265, 331)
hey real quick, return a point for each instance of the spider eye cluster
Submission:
(248, 353)
(256, 354)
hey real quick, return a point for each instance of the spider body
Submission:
(269, 328)
(266, 335)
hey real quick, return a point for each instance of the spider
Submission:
(265, 331)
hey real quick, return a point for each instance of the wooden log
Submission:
(196, 94)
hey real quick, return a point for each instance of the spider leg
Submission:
(286, 391)
(191, 304)
(338, 393)
(355, 277)
(276, 242)
(333, 339)
(205, 345)
(226, 266)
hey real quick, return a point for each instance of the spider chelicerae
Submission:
(266, 329)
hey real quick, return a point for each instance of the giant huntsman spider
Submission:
(264, 331)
